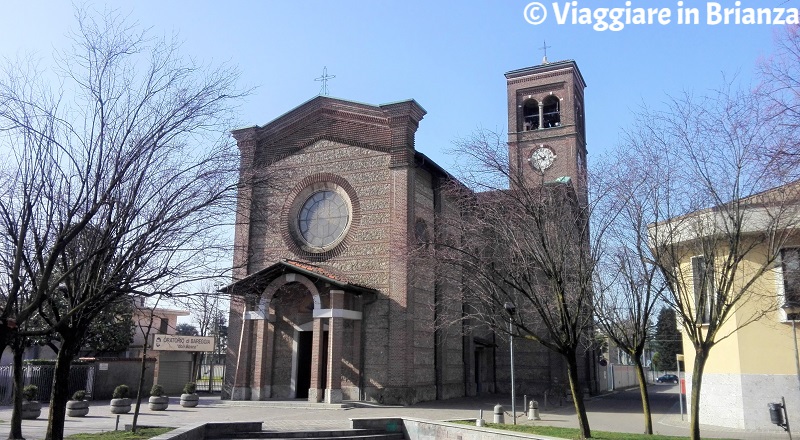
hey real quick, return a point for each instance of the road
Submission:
(617, 411)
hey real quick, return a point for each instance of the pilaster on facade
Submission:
(239, 375)
(403, 119)
(316, 391)
(333, 392)
(246, 142)
(262, 371)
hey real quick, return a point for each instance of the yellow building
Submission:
(737, 277)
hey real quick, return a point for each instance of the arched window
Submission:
(551, 112)
(530, 115)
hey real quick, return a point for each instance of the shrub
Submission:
(189, 388)
(121, 391)
(79, 395)
(157, 390)
(29, 392)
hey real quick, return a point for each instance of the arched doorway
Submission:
(293, 357)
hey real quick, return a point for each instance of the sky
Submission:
(450, 56)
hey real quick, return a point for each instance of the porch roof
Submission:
(257, 282)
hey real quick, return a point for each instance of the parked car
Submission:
(668, 378)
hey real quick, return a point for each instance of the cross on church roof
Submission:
(324, 79)
(544, 48)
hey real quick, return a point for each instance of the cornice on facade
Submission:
(545, 71)
(776, 209)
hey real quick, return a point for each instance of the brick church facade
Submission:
(326, 303)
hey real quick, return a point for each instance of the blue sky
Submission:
(448, 55)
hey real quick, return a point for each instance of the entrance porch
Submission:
(301, 334)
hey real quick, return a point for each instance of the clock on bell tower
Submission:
(546, 127)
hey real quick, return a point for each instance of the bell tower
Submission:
(546, 126)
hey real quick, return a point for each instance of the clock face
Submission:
(542, 158)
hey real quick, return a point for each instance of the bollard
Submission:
(498, 414)
(530, 411)
(480, 421)
(533, 410)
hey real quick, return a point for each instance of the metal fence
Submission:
(81, 377)
(211, 377)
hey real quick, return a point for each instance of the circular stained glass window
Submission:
(323, 218)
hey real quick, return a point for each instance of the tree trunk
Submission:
(60, 394)
(146, 334)
(697, 379)
(648, 419)
(577, 395)
(138, 406)
(16, 414)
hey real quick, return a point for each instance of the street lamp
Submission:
(511, 310)
(214, 357)
(791, 308)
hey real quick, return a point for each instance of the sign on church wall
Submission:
(182, 343)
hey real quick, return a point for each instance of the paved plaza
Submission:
(618, 411)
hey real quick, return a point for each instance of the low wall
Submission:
(419, 429)
(209, 431)
(111, 372)
(412, 429)
(624, 376)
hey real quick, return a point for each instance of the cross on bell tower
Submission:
(544, 48)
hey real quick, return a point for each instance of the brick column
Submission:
(333, 392)
(317, 369)
(262, 371)
(242, 376)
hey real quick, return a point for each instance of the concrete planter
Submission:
(158, 403)
(120, 406)
(77, 408)
(31, 410)
(189, 400)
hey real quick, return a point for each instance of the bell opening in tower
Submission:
(530, 115)
(551, 112)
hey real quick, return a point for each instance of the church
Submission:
(326, 303)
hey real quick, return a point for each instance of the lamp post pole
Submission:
(214, 332)
(511, 309)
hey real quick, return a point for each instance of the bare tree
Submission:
(628, 287)
(780, 75)
(207, 309)
(126, 188)
(37, 222)
(712, 232)
(518, 245)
